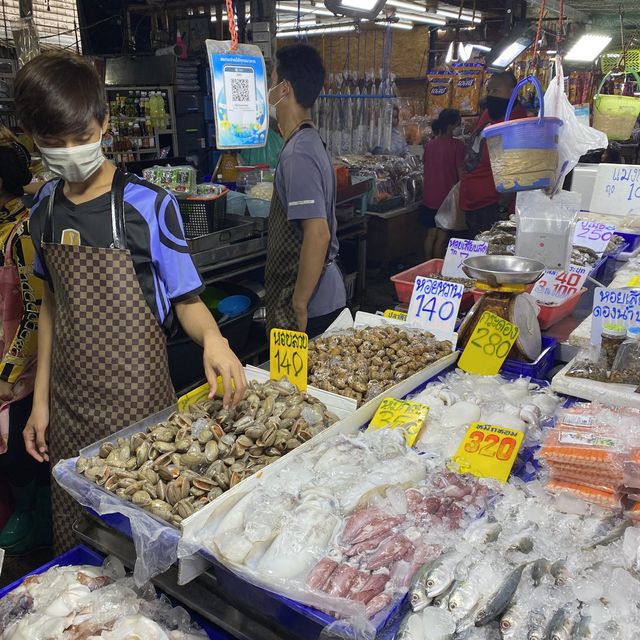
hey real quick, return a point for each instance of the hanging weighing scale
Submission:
(504, 280)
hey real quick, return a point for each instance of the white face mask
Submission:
(272, 107)
(74, 164)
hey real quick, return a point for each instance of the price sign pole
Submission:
(488, 345)
(289, 357)
(434, 305)
(488, 451)
(400, 414)
(458, 251)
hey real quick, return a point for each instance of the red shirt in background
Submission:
(477, 189)
(443, 158)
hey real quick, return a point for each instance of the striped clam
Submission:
(179, 466)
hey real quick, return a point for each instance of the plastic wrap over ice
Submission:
(343, 527)
(156, 543)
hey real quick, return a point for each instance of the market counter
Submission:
(394, 235)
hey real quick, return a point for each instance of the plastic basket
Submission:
(258, 208)
(552, 314)
(404, 281)
(615, 115)
(84, 555)
(201, 216)
(610, 60)
(524, 153)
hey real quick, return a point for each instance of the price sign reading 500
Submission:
(289, 357)
(488, 345)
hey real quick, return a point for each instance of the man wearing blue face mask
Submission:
(112, 250)
(304, 287)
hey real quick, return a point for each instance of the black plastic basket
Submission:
(201, 216)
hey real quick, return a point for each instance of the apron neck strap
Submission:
(117, 211)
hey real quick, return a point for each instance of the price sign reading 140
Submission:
(289, 357)
(488, 345)
(434, 304)
(488, 451)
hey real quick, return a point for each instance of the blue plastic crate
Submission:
(632, 240)
(608, 266)
(84, 555)
(538, 369)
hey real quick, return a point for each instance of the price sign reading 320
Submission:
(488, 451)
(434, 304)
(289, 357)
(488, 345)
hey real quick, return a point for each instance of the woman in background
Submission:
(29, 526)
(443, 161)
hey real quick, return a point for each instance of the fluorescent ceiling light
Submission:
(359, 9)
(290, 8)
(508, 55)
(588, 48)
(409, 6)
(458, 51)
(454, 14)
(405, 26)
(296, 33)
(423, 19)
(479, 47)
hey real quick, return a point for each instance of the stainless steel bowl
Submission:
(497, 270)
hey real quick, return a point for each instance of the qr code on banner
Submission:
(239, 89)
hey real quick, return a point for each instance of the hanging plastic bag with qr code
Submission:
(239, 88)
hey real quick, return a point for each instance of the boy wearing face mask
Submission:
(480, 201)
(304, 287)
(112, 250)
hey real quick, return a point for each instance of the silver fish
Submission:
(465, 594)
(499, 601)
(615, 534)
(560, 572)
(418, 590)
(441, 575)
(442, 601)
(582, 628)
(539, 569)
(560, 625)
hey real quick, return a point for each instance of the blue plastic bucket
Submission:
(524, 153)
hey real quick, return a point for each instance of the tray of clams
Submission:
(174, 463)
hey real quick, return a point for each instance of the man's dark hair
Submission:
(302, 66)
(59, 94)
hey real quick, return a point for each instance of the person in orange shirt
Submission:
(480, 201)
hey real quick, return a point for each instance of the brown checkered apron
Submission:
(110, 365)
(283, 258)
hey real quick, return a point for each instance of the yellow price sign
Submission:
(488, 451)
(396, 315)
(289, 357)
(634, 282)
(400, 414)
(488, 345)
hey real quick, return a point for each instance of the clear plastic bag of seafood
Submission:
(590, 364)
(156, 544)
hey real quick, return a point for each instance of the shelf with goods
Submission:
(141, 124)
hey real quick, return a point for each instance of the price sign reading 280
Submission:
(289, 357)
(488, 345)
(434, 304)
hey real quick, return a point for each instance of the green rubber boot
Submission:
(41, 534)
(21, 521)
